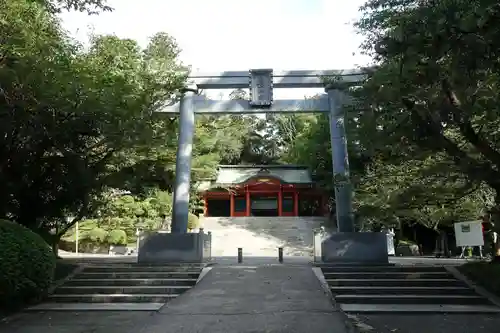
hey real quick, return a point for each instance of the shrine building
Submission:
(262, 190)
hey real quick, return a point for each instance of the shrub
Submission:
(27, 265)
(97, 235)
(193, 221)
(117, 237)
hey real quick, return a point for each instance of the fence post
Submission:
(280, 255)
(240, 255)
(210, 244)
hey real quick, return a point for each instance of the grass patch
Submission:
(484, 274)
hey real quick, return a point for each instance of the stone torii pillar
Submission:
(180, 211)
(340, 162)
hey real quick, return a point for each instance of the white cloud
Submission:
(219, 35)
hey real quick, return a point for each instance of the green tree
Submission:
(89, 6)
(434, 92)
(72, 119)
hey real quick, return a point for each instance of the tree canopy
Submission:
(423, 130)
(77, 121)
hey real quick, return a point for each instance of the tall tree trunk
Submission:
(495, 222)
(55, 245)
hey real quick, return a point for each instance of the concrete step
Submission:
(106, 290)
(352, 264)
(113, 298)
(100, 263)
(397, 282)
(388, 275)
(418, 308)
(138, 275)
(129, 282)
(121, 268)
(340, 269)
(412, 299)
(402, 290)
(66, 306)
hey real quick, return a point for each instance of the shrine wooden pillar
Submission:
(295, 203)
(280, 202)
(248, 203)
(205, 205)
(231, 205)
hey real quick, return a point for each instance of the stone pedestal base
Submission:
(163, 247)
(358, 247)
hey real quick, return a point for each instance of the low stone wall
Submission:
(118, 249)
(363, 247)
(407, 250)
(164, 247)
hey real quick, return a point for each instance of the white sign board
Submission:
(469, 233)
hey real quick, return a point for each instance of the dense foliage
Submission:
(434, 98)
(26, 265)
(78, 122)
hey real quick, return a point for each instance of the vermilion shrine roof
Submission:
(238, 174)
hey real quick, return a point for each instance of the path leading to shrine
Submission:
(262, 236)
(228, 299)
(251, 299)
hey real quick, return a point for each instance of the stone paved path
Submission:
(249, 299)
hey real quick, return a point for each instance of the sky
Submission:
(226, 35)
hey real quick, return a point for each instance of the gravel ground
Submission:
(429, 323)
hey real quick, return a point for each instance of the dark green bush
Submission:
(193, 221)
(97, 235)
(27, 265)
(117, 237)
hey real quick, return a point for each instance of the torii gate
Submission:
(261, 83)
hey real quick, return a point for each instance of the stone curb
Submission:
(350, 322)
(203, 273)
(478, 289)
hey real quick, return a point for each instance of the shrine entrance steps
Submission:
(122, 286)
(262, 236)
(361, 289)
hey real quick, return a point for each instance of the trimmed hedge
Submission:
(27, 265)
(117, 237)
(97, 235)
(193, 221)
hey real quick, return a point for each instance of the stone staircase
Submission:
(261, 236)
(402, 289)
(123, 287)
